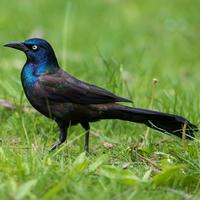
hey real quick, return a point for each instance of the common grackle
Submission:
(69, 101)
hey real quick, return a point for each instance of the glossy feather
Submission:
(69, 101)
(62, 87)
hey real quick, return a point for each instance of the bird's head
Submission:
(37, 50)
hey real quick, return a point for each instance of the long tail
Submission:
(163, 122)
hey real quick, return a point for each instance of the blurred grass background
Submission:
(121, 45)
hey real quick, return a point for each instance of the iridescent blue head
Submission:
(38, 51)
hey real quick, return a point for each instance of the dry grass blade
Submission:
(11, 106)
(156, 168)
(184, 134)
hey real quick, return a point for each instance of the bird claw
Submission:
(53, 147)
(86, 149)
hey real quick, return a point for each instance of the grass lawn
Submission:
(121, 45)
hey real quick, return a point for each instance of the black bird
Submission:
(69, 101)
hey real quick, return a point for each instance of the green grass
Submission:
(121, 46)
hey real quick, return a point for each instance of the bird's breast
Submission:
(28, 78)
(38, 97)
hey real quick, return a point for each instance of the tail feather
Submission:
(163, 122)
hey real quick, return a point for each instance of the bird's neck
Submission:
(42, 67)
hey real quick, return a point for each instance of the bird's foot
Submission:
(86, 149)
(54, 146)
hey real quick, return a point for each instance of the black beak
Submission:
(17, 45)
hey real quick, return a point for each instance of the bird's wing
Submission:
(62, 87)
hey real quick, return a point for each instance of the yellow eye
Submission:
(34, 47)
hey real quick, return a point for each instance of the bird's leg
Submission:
(86, 126)
(62, 136)
(86, 147)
